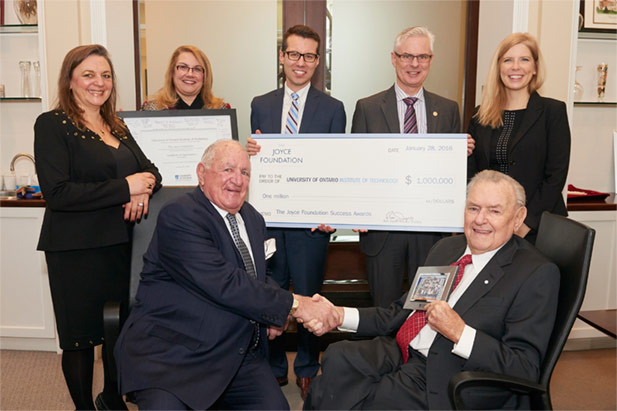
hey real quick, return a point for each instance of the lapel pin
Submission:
(435, 114)
(485, 281)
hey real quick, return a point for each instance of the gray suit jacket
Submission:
(378, 114)
(511, 304)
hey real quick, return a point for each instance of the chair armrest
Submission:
(469, 379)
(111, 330)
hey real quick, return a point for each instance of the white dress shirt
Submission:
(302, 93)
(423, 341)
(419, 107)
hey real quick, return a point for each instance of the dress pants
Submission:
(403, 252)
(368, 374)
(300, 259)
(252, 388)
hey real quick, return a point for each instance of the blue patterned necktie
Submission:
(291, 126)
(411, 125)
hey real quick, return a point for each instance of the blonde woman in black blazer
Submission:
(521, 133)
(96, 183)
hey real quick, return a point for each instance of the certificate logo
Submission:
(398, 217)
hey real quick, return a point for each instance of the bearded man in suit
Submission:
(406, 107)
(297, 107)
(499, 318)
(195, 338)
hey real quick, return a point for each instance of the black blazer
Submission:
(378, 114)
(189, 330)
(539, 155)
(512, 305)
(77, 174)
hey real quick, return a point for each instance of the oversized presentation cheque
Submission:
(404, 182)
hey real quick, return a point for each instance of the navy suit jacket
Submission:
(378, 114)
(322, 113)
(539, 155)
(512, 304)
(190, 327)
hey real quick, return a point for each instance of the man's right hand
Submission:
(318, 311)
(251, 145)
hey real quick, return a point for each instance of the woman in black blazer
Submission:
(521, 133)
(96, 183)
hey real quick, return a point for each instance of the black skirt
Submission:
(81, 282)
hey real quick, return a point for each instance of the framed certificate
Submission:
(175, 140)
(430, 284)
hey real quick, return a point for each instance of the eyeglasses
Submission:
(295, 56)
(408, 58)
(197, 70)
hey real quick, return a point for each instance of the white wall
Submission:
(239, 38)
(119, 14)
(495, 23)
(363, 35)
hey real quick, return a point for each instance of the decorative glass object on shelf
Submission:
(26, 11)
(578, 89)
(37, 78)
(24, 66)
(602, 72)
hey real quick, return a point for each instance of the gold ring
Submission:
(140, 205)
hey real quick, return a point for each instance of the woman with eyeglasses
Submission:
(188, 83)
(520, 133)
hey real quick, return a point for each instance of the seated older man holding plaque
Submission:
(498, 317)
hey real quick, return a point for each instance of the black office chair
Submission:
(568, 244)
(114, 313)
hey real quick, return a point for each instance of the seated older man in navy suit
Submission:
(196, 337)
(499, 317)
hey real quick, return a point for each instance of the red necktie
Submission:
(414, 324)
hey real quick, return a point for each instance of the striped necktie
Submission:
(412, 326)
(244, 251)
(248, 266)
(291, 126)
(411, 125)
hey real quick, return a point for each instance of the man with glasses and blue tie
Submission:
(406, 107)
(301, 254)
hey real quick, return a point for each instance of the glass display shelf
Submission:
(596, 103)
(19, 29)
(33, 99)
(597, 35)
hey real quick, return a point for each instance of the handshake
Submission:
(316, 313)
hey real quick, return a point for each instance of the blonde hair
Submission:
(167, 97)
(494, 97)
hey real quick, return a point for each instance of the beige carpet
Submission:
(583, 380)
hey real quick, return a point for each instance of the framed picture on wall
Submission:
(599, 16)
